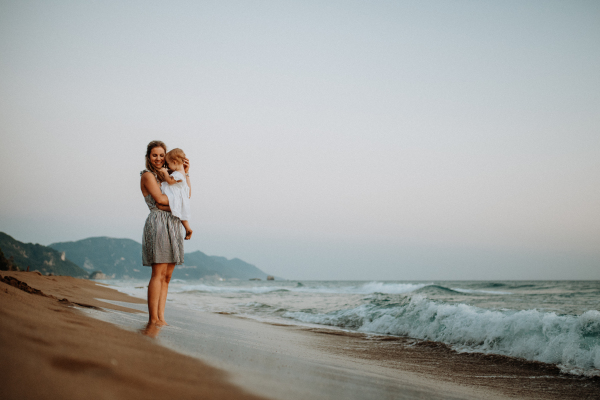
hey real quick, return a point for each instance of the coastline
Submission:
(289, 361)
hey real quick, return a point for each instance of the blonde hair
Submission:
(176, 155)
(149, 166)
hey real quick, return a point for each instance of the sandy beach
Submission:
(60, 339)
(50, 350)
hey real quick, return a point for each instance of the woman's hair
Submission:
(149, 166)
(176, 155)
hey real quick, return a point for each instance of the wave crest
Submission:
(572, 342)
(367, 288)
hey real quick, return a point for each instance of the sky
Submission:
(358, 140)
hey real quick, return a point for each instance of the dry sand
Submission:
(52, 350)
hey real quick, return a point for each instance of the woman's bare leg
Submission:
(159, 272)
(163, 294)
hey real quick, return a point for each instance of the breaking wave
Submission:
(570, 341)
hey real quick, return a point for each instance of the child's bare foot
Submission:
(188, 234)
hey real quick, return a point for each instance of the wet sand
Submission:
(293, 362)
(507, 376)
(269, 360)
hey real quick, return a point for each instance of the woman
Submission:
(162, 240)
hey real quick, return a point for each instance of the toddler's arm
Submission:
(168, 178)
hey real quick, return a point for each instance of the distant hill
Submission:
(199, 265)
(38, 257)
(122, 259)
(7, 264)
(242, 269)
(117, 258)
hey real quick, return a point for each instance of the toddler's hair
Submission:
(176, 155)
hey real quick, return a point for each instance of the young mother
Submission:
(162, 240)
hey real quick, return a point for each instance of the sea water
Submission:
(554, 322)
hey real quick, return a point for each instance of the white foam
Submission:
(225, 289)
(479, 291)
(573, 342)
(132, 288)
(367, 288)
(391, 288)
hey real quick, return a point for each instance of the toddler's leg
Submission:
(188, 230)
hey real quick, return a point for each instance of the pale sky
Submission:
(328, 139)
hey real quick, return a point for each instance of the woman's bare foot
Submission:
(151, 329)
(188, 234)
(161, 323)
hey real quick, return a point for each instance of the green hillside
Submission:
(117, 258)
(199, 265)
(242, 269)
(122, 259)
(38, 257)
(7, 264)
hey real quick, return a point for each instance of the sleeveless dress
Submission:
(162, 240)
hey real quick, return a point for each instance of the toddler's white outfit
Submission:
(179, 196)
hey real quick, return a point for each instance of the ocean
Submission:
(555, 322)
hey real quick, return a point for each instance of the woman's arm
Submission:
(164, 208)
(186, 168)
(149, 183)
(189, 183)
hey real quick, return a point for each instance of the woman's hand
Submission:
(164, 208)
(186, 168)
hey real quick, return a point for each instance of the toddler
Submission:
(177, 189)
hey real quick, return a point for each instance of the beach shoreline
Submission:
(290, 361)
(51, 350)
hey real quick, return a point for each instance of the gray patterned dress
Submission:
(162, 240)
